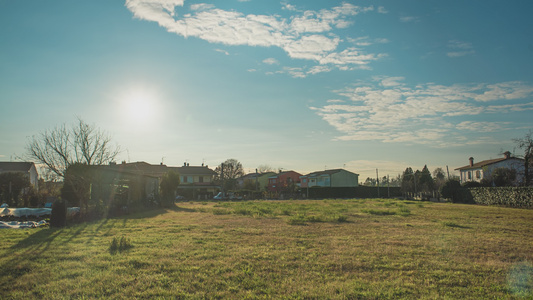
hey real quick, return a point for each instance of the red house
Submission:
(284, 182)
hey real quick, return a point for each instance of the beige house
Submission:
(256, 179)
(195, 181)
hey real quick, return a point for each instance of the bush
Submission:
(378, 212)
(58, 218)
(119, 245)
(451, 190)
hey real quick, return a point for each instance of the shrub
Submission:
(315, 219)
(404, 211)
(119, 245)
(296, 221)
(341, 219)
(218, 211)
(449, 190)
(58, 218)
(379, 212)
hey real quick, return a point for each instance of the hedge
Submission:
(518, 197)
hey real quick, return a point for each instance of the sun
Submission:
(139, 107)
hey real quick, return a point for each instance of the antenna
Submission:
(128, 151)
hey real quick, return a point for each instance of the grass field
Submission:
(324, 249)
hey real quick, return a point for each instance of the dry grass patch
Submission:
(250, 249)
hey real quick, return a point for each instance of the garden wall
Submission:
(519, 197)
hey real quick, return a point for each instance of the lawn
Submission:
(323, 249)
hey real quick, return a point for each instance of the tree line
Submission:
(67, 152)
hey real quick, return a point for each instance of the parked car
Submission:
(179, 198)
(229, 196)
(220, 196)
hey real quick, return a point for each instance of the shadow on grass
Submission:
(455, 225)
(23, 255)
(37, 245)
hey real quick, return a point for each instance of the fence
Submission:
(352, 192)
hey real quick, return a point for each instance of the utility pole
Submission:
(256, 180)
(222, 179)
(377, 180)
(388, 186)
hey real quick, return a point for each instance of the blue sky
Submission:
(301, 85)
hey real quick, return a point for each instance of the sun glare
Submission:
(139, 107)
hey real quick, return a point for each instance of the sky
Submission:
(295, 85)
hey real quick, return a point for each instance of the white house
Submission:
(27, 168)
(475, 172)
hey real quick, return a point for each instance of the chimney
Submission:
(471, 161)
(507, 154)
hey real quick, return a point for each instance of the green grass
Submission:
(326, 249)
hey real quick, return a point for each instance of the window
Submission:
(478, 174)
(469, 175)
(184, 179)
(201, 179)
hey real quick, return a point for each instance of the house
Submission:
(330, 178)
(27, 168)
(257, 180)
(196, 182)
(125, 184)
(475, 172)
(284, 182)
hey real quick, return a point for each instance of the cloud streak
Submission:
(306, 35)
(388, 110)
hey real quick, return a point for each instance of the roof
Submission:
(15, 166)
(193, 170)
(258, 175)
(326, 172)
(145, 168)
(484, 163)
(283, 173)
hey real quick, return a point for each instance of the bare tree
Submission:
(228, 172)
(526, 144)
(63, 146)
(261, 169)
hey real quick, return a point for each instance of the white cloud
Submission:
(409, 19)
(271, 61)
(388, 110)
(306, 35)
(287, 6)
(459, 49)
(222, 51)
(482, 126)
(319, 69)
(382, 10)
(202, 6)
